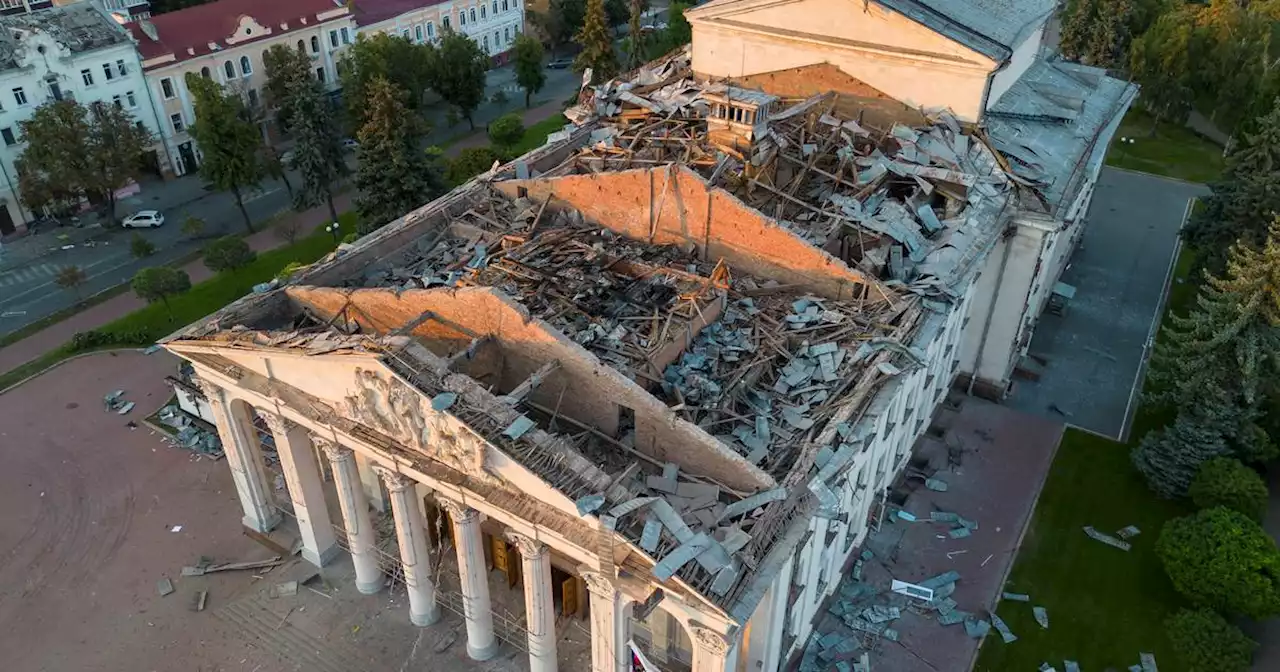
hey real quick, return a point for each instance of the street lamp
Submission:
(334, 228)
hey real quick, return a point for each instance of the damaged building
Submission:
(664, 368)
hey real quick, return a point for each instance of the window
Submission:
(229, 69)
(108, 72)
(117, 101)
(87, 77)
(505, 7)
(495, 40)
(139, 125)
(315, 44)
(129, 98)
(166, 88)
(176, 120)
(482, 8)
(302, 47)
(495, 7)
(417, 32)
(431, 30)
(253, 97)
(462, 19)
(9, 139)
(121, 69)
(346, 36)
(473, 15)
(506, 35)
(444, 21)
(20, 96)
(54, 90)
(204, 72)
(320, 75)
(405, 33)
(486, 44)
(333, 38)
(246, 68)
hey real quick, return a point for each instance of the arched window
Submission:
(229, 69)
(315, 44)
(204, 72)
(482, 12)
(302, 47)
(246, 68)
(486, 44)
(473, 15)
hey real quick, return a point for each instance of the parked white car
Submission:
(143, 219)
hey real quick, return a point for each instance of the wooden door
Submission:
(569, 597)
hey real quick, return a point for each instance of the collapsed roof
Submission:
(683, 336)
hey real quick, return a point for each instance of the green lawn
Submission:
(146, 325)
(1105, 605)
(1173, 151)
(536, 135)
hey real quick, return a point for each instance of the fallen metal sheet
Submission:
(651, 534)
(1071, 666)
(518, 428)
(745, 506)
(672, 521)
(1046, 667)
(1128, 532)
(1107, 539)
(1005, 633)
(976, 627)
(714, 558)
(936, 484)
(589, 504)
(726, 578)
(1016, 597)
(1042, 616)
(940, 580)
(953, 617)
(631, 506)
(1148, 662)
(959, 533)
(735, 540)
(443, 401)
(912, 590)
(684, 554)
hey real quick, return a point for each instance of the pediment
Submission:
(247, 28)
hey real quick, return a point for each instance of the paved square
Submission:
(1095, 351)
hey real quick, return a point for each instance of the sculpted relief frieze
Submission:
(384, 403)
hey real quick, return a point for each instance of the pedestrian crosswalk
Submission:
(26, 274)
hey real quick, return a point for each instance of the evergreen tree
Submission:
(318, 152)
(1245, 200)
(529, 73)
(1169, 458)
(636, 50)
(597, 46)
(1077, 25)
(460, 75)
(230, 143)
(394, 175)
(287, 70)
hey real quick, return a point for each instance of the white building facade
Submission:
(65, 53)
(493, 24)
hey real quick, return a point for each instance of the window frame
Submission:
(107, 72)
(9, 136)
(86, 76)
(166, 88)
(246, 66)
(229, 69)
(20, 97)
(178, 123)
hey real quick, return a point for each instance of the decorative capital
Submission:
(599, 584)
(278, 424)
(336, 452)
(710, 640)
(396, 481)
(460, 513)
(528, 546)
(211, 390)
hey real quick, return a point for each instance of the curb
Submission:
(1156, 175)
(60, 362)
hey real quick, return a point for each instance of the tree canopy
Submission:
(231, 145)
(597, 53)
(228, 253)
(1207, 642)
(159, 283)
(394, 174)
(1221, 559)
(1228, 482)
(460, 77)
(406, 65)
(562, 20)
(528, 65)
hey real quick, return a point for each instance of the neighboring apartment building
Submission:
(493, 24)
(68, 52)
(224, 41)
(983, 59)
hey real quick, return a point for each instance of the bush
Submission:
(506, 130)
(228, 253)
(1222, 559)
(1226, 481)
(140, 247)
(193, 226)
(1208, 643)
(471, 162)
(288, 271)
(351, 237)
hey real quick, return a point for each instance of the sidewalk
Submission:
(55, 335)
(530, 117)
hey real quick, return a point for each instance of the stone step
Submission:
(287, 641)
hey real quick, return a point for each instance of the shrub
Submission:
(351, 237)
(1208, 643)
(1226, 481)
(71, 277)
(288, 271)
(506, 130)
(471, 162)
(140, 247)
(159, 283)
(1222, 559)
(227, 254)
(193, 226)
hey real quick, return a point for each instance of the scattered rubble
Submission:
(1107, 539)
(190, 433)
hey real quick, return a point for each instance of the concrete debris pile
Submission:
(189, 434)
(774, 367)
(314, 338)
(914, 205)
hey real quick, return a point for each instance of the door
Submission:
(6, 221)
(504, 560)
(187, 157)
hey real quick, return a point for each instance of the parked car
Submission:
(560, 64)
(143, 219)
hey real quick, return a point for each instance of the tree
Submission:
(76, 152)
(407, 66)
(160, 283)
(1161, 61)
(1098, 32)
(228, 253)
(193, 226)
(1169, 458)
(318, 152)
(677, 33)
(287, 71)
(507, 130)
(616, 12)
(288, 230)
(636, 46)
(460, 75)
(229, 142)
(597, 45)
(140, 247)
(1228, 482)
(1221, 559)
(1206, 642)
(561, 21)
(471, 162)
(71, 277)
(1245, 200)
(394, 175)
(528, 63)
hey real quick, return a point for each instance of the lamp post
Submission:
(334, 228)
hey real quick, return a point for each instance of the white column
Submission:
(414, 555)
(306, 489)
(474, 579)
(539, 603)
(362, 540)
(609, 625)
(244, 456)
(710, 650)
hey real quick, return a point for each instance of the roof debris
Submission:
(1107, 539)
(1042, 616)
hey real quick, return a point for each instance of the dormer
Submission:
(738, 116)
